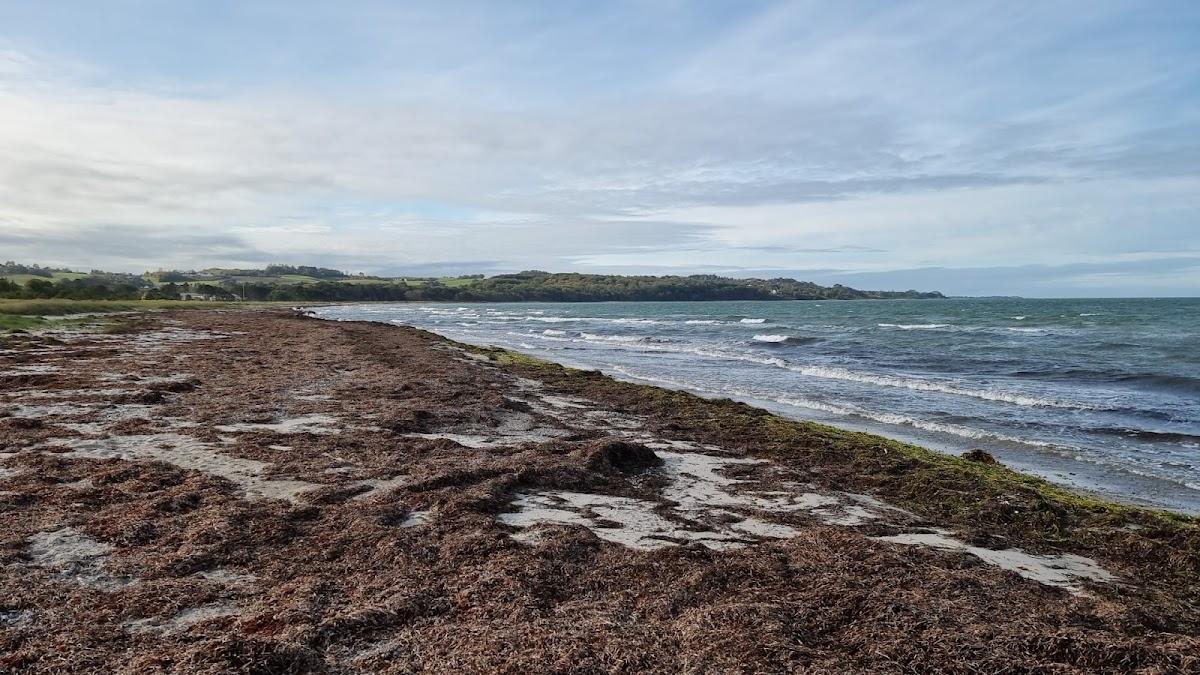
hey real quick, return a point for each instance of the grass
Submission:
(368, 281)
(11, 322)
(59, 307)
(55, 276)
(29, 314)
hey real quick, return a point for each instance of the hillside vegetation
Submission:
(307, 284)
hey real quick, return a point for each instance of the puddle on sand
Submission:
(515, 428)
(193, 454)
(51, 410)
(416, 519)
(184, 620)
(1064, 571)
(378, 486)
(190, 453)
(176, 378)
(16, 618)
(308, 424)
(697, 485)
(227, 577)
(32, 369)
(68, 393)
(707, 507)
(622, 520)
(76, 556)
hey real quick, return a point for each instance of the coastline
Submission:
(940, 379)
(319, 495)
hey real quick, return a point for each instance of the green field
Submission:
(414, 282)
(59, 307)
(367, 281)
(57, 276)
(32, 314)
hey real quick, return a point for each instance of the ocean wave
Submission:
(833, 373)
(623, 339)
(782, 339)
(891, 419)
(1180, 437)
(1161, 381)
(643, 322)
(621, 370)
(914, 326)
(752, 321)
(1183, 383)
(554, 331)
(894, 419)
(1017, 318)
(702, 322)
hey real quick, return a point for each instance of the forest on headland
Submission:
(309, 284)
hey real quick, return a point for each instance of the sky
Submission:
(977, 148)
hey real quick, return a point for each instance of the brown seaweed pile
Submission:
(255, 491)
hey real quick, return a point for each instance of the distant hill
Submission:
(307, 284)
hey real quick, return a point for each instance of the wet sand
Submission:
(217, 491)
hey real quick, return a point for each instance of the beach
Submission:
(1101, 395)
(262, 491)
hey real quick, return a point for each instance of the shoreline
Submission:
(248, 487)
(1078, 467)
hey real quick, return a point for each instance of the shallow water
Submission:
(1098, 394)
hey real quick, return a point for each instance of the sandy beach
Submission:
(261, 491)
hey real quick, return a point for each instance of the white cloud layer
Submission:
(827, 141)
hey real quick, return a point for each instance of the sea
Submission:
(1101, 395)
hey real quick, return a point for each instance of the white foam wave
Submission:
(891, 419)
(753, 321)
(557, 319)
(771, 338)
(592, 337)
(551, 331)
(833, 373)
(906, 421)
(702, 322)
(914, 326)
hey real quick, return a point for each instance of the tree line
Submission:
(527, 286)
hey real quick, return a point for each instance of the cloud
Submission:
(865, 138)
(1148, 277)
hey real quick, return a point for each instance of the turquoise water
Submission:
(1098, 394)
